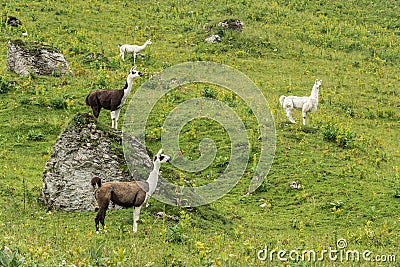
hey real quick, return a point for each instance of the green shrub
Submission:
(342, 137)
(24, 100)
(97, 254)
(82, 119)
(396, 183)
(56, 73)
(5, 86)
(62, 102)
(231, 100)
(396, 190)
(58, 103)
(209, 92)
(330, 132)
(34, 135)
(386, 114)
(177, 233)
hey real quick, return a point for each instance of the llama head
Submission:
(161, 158)
(133, 73)
(317, 83)
(148, 42)
(315, 89)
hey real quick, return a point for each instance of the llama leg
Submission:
(146, 200)
(304, 111)
(136, 214)
(304, 117)
(97, 219)
(96, 111)
(289, 115)
(116, 118)
(134, 57)
(112, 113)
(122, 54)
(101, 215)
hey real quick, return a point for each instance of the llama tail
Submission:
(96, 180)
(282, 99)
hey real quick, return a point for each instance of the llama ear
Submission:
(159, 152)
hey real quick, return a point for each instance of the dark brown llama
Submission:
(112, 99)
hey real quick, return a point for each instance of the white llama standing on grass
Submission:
(126, 48)
(305, 103)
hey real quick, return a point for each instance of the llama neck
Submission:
(127, 89)
(314, 93)
(153, 179)
(128, 86)
(143, 46)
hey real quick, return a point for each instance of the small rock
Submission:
(213, 39)
(263, 205)
(13, 21)
(95, 57)
(161, 215)
(232, 24)
(295, 185)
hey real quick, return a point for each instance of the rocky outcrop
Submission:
(81, 152)
(24, 57)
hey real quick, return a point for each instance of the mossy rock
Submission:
(25, 58)
(34, 48)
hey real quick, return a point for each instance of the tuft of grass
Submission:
(34, 135)
(9, 258)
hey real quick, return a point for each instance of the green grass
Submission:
(346, 159)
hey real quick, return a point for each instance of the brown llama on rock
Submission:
(112, 99)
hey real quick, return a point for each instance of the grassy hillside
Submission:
(347, 158)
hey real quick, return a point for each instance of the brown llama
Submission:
(127, 194)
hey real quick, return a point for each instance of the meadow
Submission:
(346, 159)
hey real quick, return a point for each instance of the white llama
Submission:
(126, 48)
(305, 103)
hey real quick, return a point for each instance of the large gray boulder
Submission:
(25, 57)
(81, 152)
